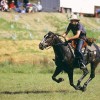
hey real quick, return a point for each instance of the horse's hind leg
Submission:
(85, 72)
(92, 75)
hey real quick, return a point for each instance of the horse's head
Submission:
(48, 40)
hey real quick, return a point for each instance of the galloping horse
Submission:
(65, 60)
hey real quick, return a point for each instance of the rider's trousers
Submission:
(78, 51)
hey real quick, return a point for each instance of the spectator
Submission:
(4, 5)
(29, 7)
(35, 9)
(16, 3)
(12, 5)
(9, 1)
(39, 7)
(18, 10)
(23, 10)
(0, 5)
(25, 2)
(20, 3)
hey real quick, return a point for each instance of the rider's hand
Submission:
(67, 38)
(64, 35)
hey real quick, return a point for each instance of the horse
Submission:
(65, 60)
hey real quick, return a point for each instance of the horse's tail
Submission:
(99, 54)
(98, 51)
(97, 47)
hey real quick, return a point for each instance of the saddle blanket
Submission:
(91, 48)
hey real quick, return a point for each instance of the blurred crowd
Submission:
(20, 6)
(3, 5)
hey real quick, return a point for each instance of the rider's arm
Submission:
(67, 31)
(64, 34)
(75, 36)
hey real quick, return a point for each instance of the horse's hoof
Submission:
(60, 80)
(78, 87)
(83, 89)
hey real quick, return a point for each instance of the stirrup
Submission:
(82, 66)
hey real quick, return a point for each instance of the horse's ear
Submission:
(50, 33)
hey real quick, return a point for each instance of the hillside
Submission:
(39, 24)
(20, 35)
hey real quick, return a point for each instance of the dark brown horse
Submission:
(65, 60)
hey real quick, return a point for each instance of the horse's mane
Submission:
(57, 35)
(61, 42)
(62, 51)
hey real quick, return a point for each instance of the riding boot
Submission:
(81, 64)
(79, 54)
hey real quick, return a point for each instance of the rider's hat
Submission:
(74, 17)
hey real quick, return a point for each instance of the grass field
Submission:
(21, 33)
(26, 71)
(29, 82)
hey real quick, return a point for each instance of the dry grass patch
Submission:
(23, 51)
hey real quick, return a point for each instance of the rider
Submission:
(79, 35)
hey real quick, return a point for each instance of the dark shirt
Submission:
(75, 28)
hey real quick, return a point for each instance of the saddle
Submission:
(90, 41)
(87, 42)
(87, 48)
(73, 44)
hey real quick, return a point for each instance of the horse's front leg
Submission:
(70, 76)
(57, 71)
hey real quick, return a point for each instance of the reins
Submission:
(66, 43)
(57, 43)
(62, 37)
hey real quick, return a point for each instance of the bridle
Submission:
(49, 41)
(53, 37)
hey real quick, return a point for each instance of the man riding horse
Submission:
(64, 56)
(79, 36)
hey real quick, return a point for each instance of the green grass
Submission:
(7, 26)
(58, 23)
(25, 68)
(54, 21)
(31, 82)
(16, 29)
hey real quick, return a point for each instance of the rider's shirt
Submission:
(75, 28)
